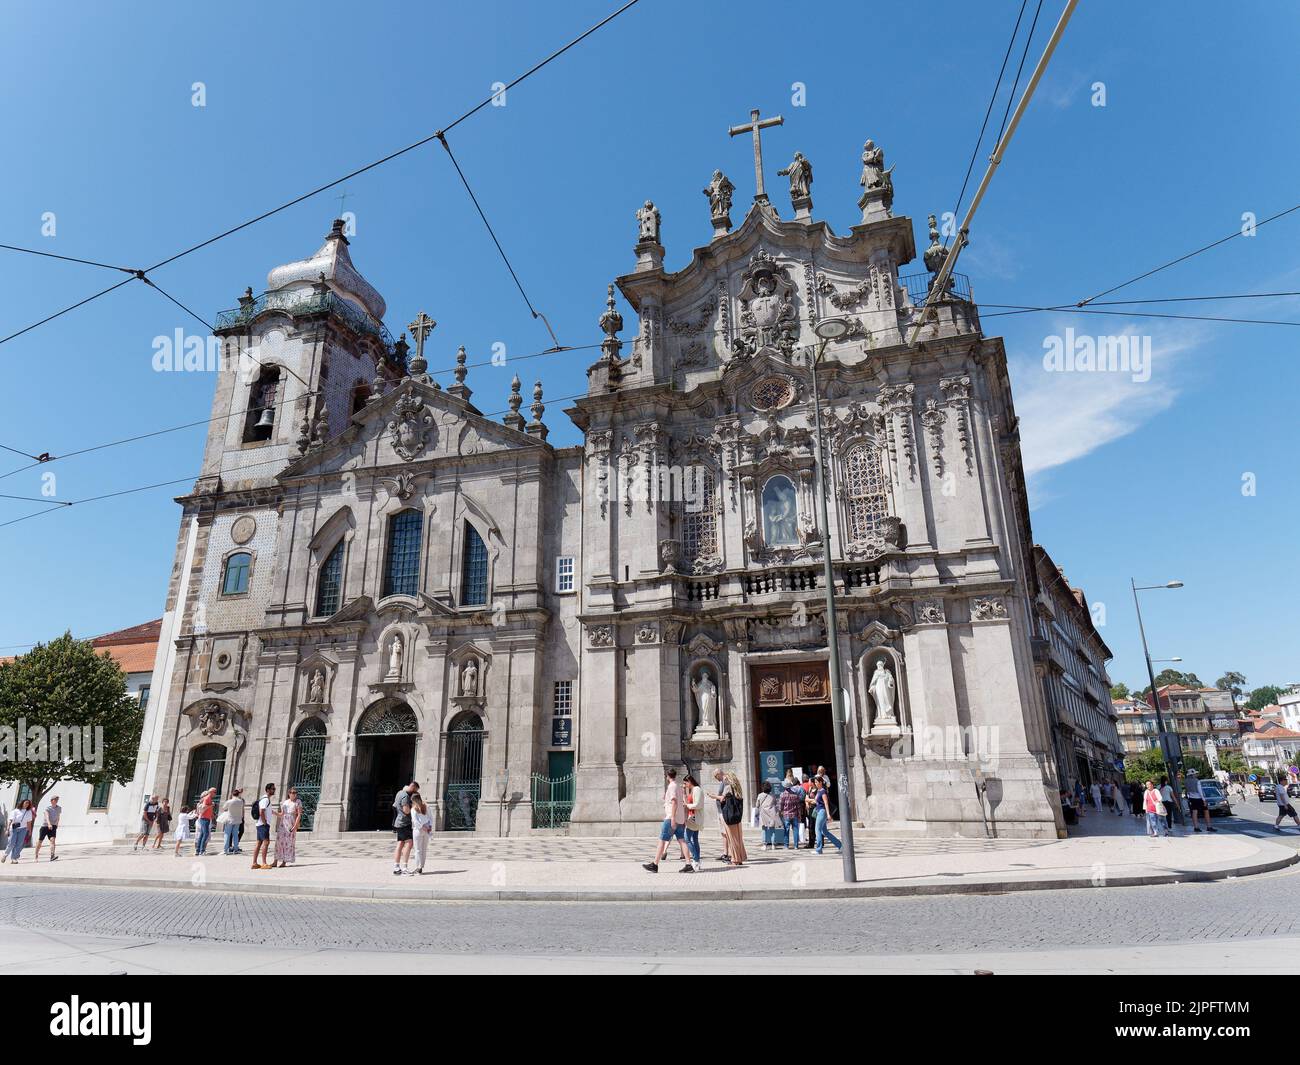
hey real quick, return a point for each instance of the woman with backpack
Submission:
(731, 807)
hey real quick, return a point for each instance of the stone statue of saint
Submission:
(469, 678)
(719, 192)
(706, 698)
(317, 691)
(873, 166)
(800, 174)
(648, 219)
(882, 691)
(395, 657)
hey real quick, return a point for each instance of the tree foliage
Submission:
(1120, 691)
(65, 715)
(1264, 695)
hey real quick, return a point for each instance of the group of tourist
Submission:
(17, 830)
(196, 824)
(778, 811)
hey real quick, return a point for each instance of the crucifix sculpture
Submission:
(753, 126)
(420, 329)
(343, 198)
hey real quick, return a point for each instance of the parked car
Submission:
(1267, 791)
(1216, 801)
(1293, 790)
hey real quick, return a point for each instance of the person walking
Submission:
(262, 819)
(20, 822)
(1135, 798)
(1167, 797)
(822, 807)
(694, 796)
(673, 827)
(1196, 801)
(790, 807)
(731, 806)
(286, 830)
(1284, 807)
(769, 818)
(720, 779)
(164, 822)
(147, 817)
(421, 831)
(1154, 805)
(402, 827)
(184, 828)
(206, 814)
(1096, 796)
(49, 829)
(232, 810)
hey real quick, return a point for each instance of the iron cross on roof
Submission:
(420, 329)
(754, 125)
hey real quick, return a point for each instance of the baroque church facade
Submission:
(375, 582)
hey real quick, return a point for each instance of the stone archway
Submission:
(207, 770)
(386, 739)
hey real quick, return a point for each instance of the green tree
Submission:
(1234, 763)
(1120, 691)
(1195, 761)
(1173, 676)
(1264, 695)
(1144, 766)
(65, 715)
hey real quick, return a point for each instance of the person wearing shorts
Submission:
(262, 819)
(1196, 802)
(673, 828)
(403, 827)
(1284, 807)
(50, 829)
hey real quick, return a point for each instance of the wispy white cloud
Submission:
(1066, 415)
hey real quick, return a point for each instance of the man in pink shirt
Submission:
(674, 826)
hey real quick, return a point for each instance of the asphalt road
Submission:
(1248, 908)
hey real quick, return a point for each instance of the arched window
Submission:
(475, 571)
(698, 513)
(235, 579)
(864, 478)
(329, 585)
(402, 571)
(780, 513)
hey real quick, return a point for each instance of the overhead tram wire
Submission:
(1013, 309)
(140, 274)
(997, 87)
(1184, 258)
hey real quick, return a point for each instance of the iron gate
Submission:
(464, 774)
(207, 767)
(552, 800)
(308, 767)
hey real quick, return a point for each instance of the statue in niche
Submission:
(395, 658)
(469, 678)
(882, 691)
(780, 514)
(316, 692)
(706, 700)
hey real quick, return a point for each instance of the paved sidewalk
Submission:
(560, 868)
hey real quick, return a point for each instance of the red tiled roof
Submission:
(149, 630)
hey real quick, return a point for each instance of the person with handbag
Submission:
(731, 805)
(694, 801)
(232, 819)
(1154, 805)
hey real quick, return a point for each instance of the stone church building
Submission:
(374, 581)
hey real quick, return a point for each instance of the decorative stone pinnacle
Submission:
(514, 419)
(460, 390)
(535, 427)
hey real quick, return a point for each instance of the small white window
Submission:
(563, 698)
(564, 573)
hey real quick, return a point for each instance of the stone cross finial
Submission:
(753, 126)
(420, 329)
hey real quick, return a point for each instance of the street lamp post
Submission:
(1170, 767)
(827, 330)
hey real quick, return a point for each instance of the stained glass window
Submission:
(475, 568)
(402, 573)
(865, 488)
(235, 581)
(330, 584)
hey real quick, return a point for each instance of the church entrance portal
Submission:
(385, 762)
(792, 714)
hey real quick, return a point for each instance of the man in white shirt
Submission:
(1284, 807)
(1196, 801)
(49, 829)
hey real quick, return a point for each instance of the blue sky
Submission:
(1140, 478)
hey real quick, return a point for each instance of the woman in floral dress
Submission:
(286, 830)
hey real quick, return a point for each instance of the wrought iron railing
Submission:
(553, 800)
(307, 301)
(918, 287)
